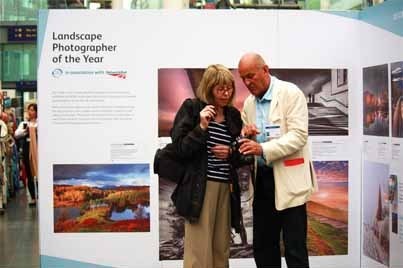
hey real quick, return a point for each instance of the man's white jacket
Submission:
(294, 175)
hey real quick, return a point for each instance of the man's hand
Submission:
(249, 130)
(250, 147)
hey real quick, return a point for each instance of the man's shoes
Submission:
(32, 204)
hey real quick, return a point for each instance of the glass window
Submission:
(341, 4)
(29, 97)
(24, 98)
(19, 62)
(21, 10)
(26, 10)
(142, 4)
(57, 4)
(374, 2)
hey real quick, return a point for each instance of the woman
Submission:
(27, 131)
(204, 128)
(397, 124)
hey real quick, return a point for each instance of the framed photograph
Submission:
(341, 77)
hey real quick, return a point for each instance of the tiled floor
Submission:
(19, 240)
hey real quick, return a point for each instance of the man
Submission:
(276, 116)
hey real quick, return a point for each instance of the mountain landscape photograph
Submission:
(101, 198)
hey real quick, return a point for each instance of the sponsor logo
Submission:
(120, 74)
(56, 73)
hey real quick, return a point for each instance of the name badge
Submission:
(272, 131)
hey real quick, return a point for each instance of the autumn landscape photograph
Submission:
(101, 198)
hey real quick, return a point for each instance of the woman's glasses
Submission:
(224, 89)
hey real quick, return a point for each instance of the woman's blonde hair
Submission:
(214, 75)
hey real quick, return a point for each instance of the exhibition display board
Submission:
(110, 83)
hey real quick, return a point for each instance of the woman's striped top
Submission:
(217, 169)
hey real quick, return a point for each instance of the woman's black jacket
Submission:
(189, 141)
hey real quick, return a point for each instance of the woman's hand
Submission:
(221, 151)
(206, 115)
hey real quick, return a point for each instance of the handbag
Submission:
(167, 162)
(168, 165)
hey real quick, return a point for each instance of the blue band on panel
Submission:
(353, 14)
(42, 22)
(51, 262)
(388, 16)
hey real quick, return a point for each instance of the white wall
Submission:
(148, 40)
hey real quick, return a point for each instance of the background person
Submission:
(27, 133)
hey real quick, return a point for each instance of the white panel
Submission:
(147, 40)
